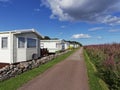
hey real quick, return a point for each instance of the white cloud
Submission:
(95, 28)
(63, 26)
(84, 10)
(36, 9)
(4, 0)
(112, 20)
(4, 3)
(77, 36)
(60, 33)
(114, 30)
(99, 37)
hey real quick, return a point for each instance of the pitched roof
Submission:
(23, 31)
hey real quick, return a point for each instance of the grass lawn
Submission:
(16, 82)
(95, 82)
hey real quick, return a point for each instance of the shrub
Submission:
(106, 58)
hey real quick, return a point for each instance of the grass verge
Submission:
(95, 82)
(16, 82)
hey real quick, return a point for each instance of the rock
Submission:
(11, 66)
(8, 72)
(21, 66)
(7, 67)
(43, 62)
(12, 74)
(1, 70)
(26, 65)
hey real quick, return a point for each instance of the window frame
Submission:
(32, 46)
(19, 43)
(2, 45)
(57, 45)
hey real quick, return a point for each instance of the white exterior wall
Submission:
(5, 54)
(51, 45)
(21, 54)
(66, 45)
(24, 54)
(11, 48)
(72, 45)
(76, 45)
(30, 52)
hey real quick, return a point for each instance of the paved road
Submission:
(70, 74)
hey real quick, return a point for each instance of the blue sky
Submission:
(85, 21)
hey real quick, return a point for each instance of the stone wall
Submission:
(16, 69)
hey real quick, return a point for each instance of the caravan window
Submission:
(31, 43)
(21, 42)
(4, 42)
(58, 45)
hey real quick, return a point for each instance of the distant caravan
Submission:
(54, 46)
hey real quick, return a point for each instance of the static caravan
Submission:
(76, 45)
(67, 45)
(73, 45)
(19, 45)
(53, 45)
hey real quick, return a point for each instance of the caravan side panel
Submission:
(26, 53)
(14, 48)
(30, 51)
(21, 52)
(51, 45)
(5, 52)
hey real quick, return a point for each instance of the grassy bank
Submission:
(95, 82)
(14, 83)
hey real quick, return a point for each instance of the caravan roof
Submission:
(23, 31)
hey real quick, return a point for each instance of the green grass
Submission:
(95, 82)
(16, 82)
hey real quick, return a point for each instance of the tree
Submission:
(75, 42)
(46, 38)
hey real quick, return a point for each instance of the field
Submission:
(106, 59)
